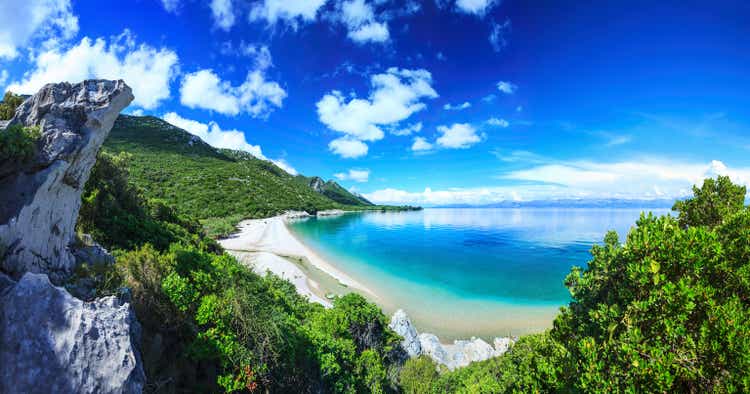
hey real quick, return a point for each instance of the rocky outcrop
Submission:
(401, 325)
(460, 354)
(51, 342)
(41, 197)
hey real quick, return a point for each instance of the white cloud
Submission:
(458, 136)
(215, 136)
(394, 96)
(147, 70)
(460, 107)
(223, 14)
(476, 7)
(171, 5)
(353, 175)
(408, 130)
(498, 122)
(371, 32)
(420, 144)
(137, 112)
(359, 18)
(638, 179)
(498, 35)
(506, 87)
(348, 148)
(256, 96)
(290, 11)
(25, 21)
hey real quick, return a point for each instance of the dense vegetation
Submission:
(667, 310)
(18, 144)
(9, 104)
(218, 187)
(209, 323)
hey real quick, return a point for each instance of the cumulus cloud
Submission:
(640, 179)
(458, 136)
(146, 69)
(289, 11)
(498, 122)
(3, 78)
(215, 136)
(171, 5)
(223, 14)
(348, 148)
(256, 96)
(506, 87)
(499, 35)
(420, 145)
(353, 175)
(475, 7)
(458, 107)
(408, 130)
(371, 32)
(394, 96)
(359, 18)
(25, 21)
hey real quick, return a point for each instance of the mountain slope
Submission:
(334, 191)
(169, 163)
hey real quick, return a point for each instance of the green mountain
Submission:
(170, 164)
(334, 191)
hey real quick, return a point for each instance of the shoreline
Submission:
(268, 245)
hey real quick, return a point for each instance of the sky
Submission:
(426, 102)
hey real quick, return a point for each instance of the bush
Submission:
(9, 104)
(419, 376)
(18, 144)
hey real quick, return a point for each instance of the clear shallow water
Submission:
(466, 272)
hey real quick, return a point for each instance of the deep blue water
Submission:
(448, 260)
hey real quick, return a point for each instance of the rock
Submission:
(51, 342)
(464, 352)
(41, 198)
(90, 252)
(5, 282)
(502, 345)
(401, 324)
(317, 183)
(432, 348)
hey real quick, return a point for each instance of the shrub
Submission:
(18, 144)
(419, 376)
(9, 104)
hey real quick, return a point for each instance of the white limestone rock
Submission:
(502, 345)
(51, 342)
(401, 325)
(41, 198)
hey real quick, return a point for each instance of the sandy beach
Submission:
(267, 245)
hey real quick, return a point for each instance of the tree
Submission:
(9, 104)
(715, 201)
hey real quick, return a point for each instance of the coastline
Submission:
(268, 245)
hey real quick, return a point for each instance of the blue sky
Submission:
(429, 102)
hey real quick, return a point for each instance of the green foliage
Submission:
(171, 165)
(352, 343)
(118, 216)
(18, 144)
(668, 310)
(9, 104)
(535, 364)
(419, 376)
(715, 201)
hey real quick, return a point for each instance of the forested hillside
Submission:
(217, 186)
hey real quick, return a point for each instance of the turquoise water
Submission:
(466, 272)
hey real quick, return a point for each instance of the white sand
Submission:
(271, 237)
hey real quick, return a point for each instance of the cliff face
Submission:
(49, 340)
(41, 197)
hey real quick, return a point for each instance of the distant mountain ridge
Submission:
(572, 203)
(334, 191)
